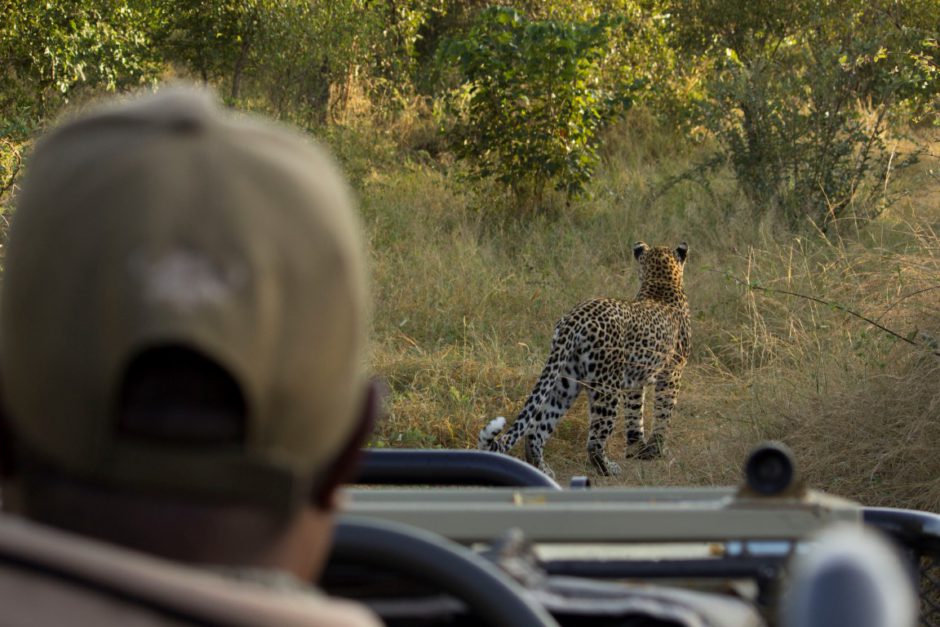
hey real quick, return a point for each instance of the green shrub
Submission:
(51, 50)
(532, 103)
(802, 97)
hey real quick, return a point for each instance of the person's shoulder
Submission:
(73, 575)
(299, 597)
(338, 613)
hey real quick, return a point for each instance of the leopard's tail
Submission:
(489, 433)
(492, 437)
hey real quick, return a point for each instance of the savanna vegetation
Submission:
(507, 158)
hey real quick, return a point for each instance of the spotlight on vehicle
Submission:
(770, 469)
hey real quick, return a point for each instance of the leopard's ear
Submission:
(639, 248)
(682, 251)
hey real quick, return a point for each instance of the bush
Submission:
(532, 103)
(802, 97)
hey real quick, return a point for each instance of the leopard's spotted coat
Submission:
(613, 349)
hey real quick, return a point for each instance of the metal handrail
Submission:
(448, 467)
(914, 529)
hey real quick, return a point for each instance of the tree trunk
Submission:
(316, 93)
(239, 67)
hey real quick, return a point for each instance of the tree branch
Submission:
(905, 297)
(841, 308)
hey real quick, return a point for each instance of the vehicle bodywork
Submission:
(718, 543)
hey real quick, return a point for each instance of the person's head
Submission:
(182, 334)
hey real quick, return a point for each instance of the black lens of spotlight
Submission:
(770, 469)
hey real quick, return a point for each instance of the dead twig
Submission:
(842, 308)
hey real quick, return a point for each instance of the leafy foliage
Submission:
(52, 49)
(805, 98)
(54, 52)
(533, 102)
(802, 94)
(217, 39)
(295, 54)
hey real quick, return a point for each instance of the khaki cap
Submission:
(164, 220)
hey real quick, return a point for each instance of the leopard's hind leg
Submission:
(603, 415)
(556, 402)
(633, 419)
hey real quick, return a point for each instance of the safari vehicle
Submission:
(504, 544)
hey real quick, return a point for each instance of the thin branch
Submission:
(841, 308)
(905, 297)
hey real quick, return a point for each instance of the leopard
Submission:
(613, 349)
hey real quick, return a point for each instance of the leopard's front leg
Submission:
(667, 390)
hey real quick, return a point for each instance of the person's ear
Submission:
(344, 464)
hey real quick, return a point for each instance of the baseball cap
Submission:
(165, 220)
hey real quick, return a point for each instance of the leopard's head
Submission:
(660, 267)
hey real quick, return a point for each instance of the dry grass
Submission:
(466, 301)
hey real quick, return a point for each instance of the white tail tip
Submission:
(497, 424)
(490, 431)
